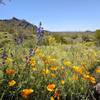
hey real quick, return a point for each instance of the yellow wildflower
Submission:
(40, 54)
(67, 63)
(86, 77)
(32, 62)
(37, 50)
(93, 80)
(62, 82)
(97, 70)
(45, 71)
(11, 83)
(54, 68)
(78, 69)
(51, 59)
(52, 98)
(89, 78)
(74, 77)
(9, 60)
(34, 68)
(53, 75)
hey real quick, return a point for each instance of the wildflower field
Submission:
(53, 71)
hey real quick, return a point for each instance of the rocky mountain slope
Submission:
(16, 25)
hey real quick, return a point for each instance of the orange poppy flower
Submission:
(50, 87)
(10, 71)
(26, 92)
(54, 68)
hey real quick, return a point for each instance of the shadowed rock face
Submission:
(97, 87)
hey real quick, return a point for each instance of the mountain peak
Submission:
(14, 18)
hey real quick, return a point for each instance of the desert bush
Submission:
(86, 38)
(97, 36)
(66, 40)
(74, 36)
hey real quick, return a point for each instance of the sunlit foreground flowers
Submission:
(80, 71)
(46, 78)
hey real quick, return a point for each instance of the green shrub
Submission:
(86, 38)
(97, 36)
(74, 36)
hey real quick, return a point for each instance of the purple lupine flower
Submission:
(31, 52)
(40, 30)
(4, 55)
(40, 33)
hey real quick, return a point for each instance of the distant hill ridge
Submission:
(16, 25)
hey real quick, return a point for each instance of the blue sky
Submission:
(56, 15)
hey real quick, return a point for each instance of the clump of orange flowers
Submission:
(10, 71)
(50, 87)
(26, 92)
